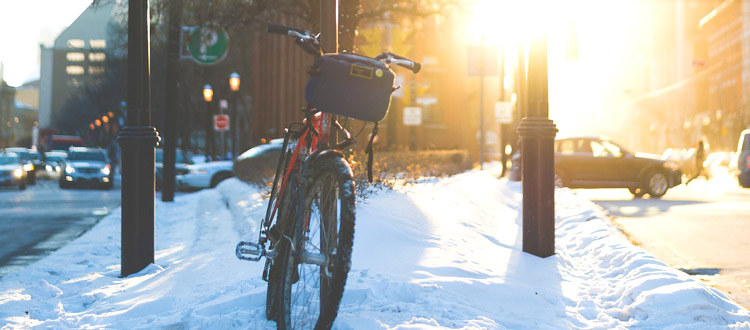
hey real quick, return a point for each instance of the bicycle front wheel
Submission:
(316, 268)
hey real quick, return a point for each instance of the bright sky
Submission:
(24, 24)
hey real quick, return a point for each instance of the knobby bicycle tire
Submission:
(324, 231)
(285, 223)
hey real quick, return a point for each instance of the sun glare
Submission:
(505, 21)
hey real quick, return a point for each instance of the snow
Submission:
(441, 254)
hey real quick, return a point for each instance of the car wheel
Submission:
(64, 185)
(218, 178)
(22, 186)
(637, 192)
(559, 180)
(657, 184)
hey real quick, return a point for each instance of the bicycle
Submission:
(309, 221)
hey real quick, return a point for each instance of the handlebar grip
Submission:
(283, 29)
(411, 65)
(416, 67)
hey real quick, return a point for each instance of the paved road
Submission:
(701, 228)
(43, 218)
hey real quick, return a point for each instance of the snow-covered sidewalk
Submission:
(441, 254)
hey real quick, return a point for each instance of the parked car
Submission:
(742, 159)
(86, 166)
(53, 163)
(599, 162)
(31, 159)
(258, 165)
(12, 171)
(204, 175)
(208, 175)
(182, 160)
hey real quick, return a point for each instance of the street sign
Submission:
(221, 123)
(412, 116)
(208, 44)
(503, 112)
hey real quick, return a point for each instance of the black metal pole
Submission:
(138, 141)
(329, 32)
(233, 121)
(503, 128)
(537, 137)
(170, 132)
(210, 140)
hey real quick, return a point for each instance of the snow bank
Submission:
(442, 254)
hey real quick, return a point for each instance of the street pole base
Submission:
(137, 145)
(538, 168)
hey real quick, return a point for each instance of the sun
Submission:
(506, 21)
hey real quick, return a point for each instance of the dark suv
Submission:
(598, 162)
(86, 166)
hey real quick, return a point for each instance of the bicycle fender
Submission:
(323, 154)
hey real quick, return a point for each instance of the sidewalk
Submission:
(442, 254)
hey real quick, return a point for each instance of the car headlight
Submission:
(105, 170)
(28, 167)
(671, 165)
(48, 168)
(69, 169)
(198, 171)
(18, 172)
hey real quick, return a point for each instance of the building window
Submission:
(75, 57)
(76, 43)
(98, 43)
(74, 70)
(97, 57)
(96, 69)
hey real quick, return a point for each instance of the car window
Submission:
(746, 143)
(599, 150)
(565, 147)
(87, 155)
(583, 146)
(612, 149)
(55, 158)
(605, 149)
(264, 150)
(8, 159)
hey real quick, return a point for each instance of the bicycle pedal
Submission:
(249, 251)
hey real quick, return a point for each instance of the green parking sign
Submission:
(208, 44)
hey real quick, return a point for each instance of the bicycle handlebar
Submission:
(309, 42)
(283, 29)
(389, 58)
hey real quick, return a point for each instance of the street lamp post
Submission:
(171, 98)
(537, 133)
(138, 142)
(234, 86)
(208, 96)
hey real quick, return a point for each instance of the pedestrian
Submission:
(700, 157)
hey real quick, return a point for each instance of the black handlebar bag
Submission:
(350, 85)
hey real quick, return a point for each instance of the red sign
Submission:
(221, 122)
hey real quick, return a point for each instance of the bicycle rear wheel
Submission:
(315, 270)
